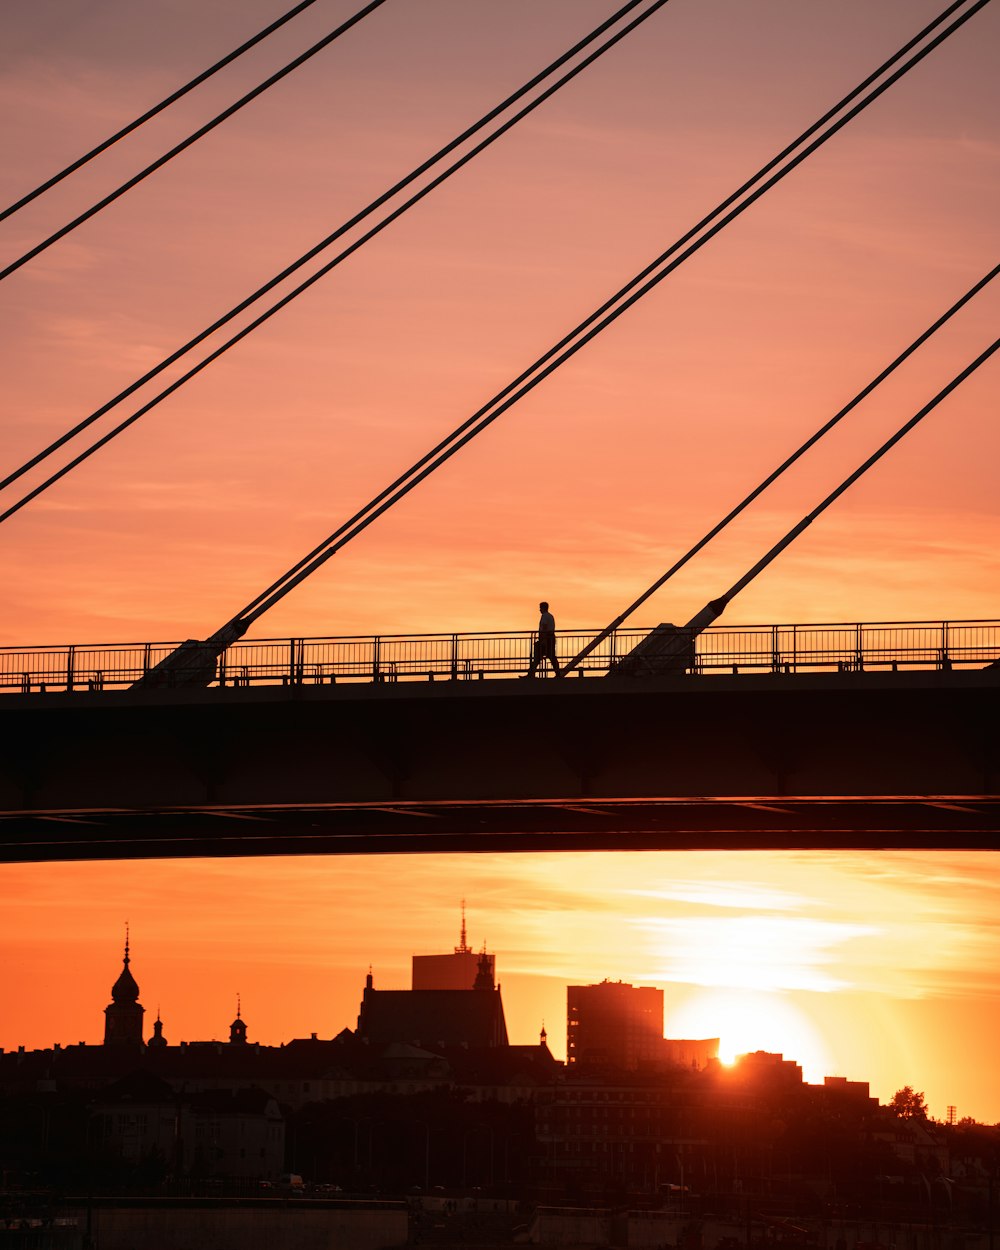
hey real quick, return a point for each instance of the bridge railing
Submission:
(846, 647)
(475, 656)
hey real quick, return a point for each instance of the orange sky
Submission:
(883, 968)
(582, 494)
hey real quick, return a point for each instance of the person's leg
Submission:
(536, 658)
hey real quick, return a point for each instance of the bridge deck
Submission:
(769, 760)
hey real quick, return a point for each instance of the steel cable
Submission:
(321, 246)
(849, 481)
(154, 111)
(785, 464)
(489, 413)
(191, 139)
(320, 273)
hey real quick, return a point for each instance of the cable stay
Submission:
(200, 133)
(563, 343)
(323, 244)
(195, 661)
(776, 473)
(669, 649)
(154, 111)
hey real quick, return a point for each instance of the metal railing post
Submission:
(463, 657)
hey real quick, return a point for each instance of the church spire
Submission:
(463, 947)
(157, 1041)
(484, 977)
(125, 989)
(238, 1028)
(123, 1015)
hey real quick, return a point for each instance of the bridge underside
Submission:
(780, 761)
(775, 823)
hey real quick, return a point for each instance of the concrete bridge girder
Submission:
(859, 736)
(466, 741)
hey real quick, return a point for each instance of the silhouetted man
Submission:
(545, 643)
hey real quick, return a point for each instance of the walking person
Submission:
(545, 642)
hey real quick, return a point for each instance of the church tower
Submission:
(123, 1015)
(238, 1028)
(157, 1041)
(484, 975)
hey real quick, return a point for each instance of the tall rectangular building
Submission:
(456, 971)
(614, 1024)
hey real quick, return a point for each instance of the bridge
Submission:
(840, 735)
(862, 735)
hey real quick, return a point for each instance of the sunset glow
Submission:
(747, 1021)
(881, 967)
(909, 994)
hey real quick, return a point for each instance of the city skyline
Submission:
(883, 967)
(825, 994)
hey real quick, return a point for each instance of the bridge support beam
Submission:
(853, 759)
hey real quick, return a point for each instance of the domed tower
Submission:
(238, 1028)
(157, 1041)
(123, 1015)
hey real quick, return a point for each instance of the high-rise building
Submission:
(456, 971)
(614, 1024)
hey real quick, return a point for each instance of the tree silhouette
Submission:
(908, 1104)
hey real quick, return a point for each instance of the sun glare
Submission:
(757, 953)
(746, 1021)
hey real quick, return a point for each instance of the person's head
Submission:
(543, 607)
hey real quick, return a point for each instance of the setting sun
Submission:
(750, 1020)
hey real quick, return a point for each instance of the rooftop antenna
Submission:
(463, 947)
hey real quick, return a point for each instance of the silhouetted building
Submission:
(235, 1133)
(614, 1024)
(134, 1118)
(238, 1028)
(434, 1018)
(428, 1088)
(689, 1052)
(456, 971)
(838, 1089)
(157, 1041)
(765, 1071)
(123, 1015)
